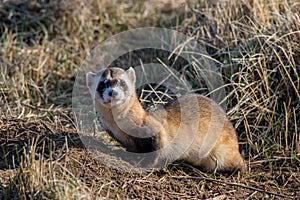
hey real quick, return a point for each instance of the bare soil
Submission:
(280, 179)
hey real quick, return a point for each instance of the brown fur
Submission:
(137, 115)
(192, 128)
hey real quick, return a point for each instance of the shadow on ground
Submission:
(176, 180)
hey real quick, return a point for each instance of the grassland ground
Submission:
(44, 43)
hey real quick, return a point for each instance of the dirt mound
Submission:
(178, 180)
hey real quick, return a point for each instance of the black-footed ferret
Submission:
(192, 128)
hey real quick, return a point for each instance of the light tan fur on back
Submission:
(192, 128)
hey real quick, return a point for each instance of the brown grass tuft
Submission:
(258, 42)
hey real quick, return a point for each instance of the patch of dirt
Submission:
(277, 179)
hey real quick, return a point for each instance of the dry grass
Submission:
(259, 46)
(43, 45)
(42, 178)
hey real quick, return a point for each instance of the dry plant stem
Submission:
(233, 184)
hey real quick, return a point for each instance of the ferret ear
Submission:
(89, 79)
(131, 74)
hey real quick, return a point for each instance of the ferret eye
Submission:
(101, 85)
(122, 83)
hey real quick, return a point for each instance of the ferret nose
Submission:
(113, 93)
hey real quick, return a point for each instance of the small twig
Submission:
(277, 158)
(235, 184)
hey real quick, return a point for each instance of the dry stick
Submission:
(235, 184)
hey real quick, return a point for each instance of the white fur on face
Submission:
(123, 94)
(105, 95)
(107, 100)
(130, 85)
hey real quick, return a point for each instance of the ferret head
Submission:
(111, 86)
